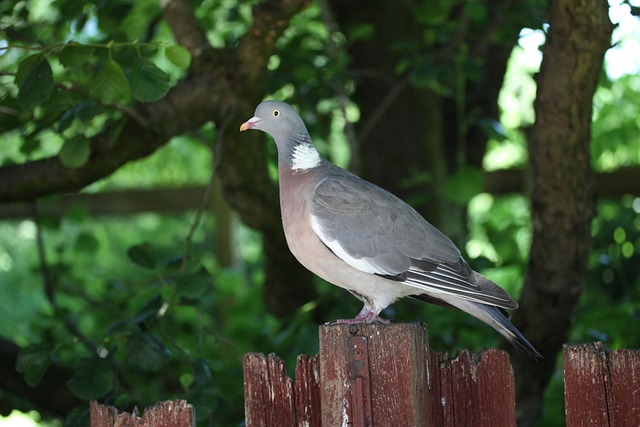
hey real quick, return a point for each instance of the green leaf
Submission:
(30, 144)
(148, 82)
(83, 111)
(148, 310)
(194, 285)
(87, 243)
(110, 85)
(92, 378)
(178, 56)
(205, 400)
(77, 213)
(493, 129)
(78, 417)
(75, 152)
(186, 379)
(35, 81)
(143, 255)
(464, 184)
(426, 76)
(33, 362)
(148, 352)
(361, 32)
(75, 55)
(476, 11)
(25, 66)
(201, 372)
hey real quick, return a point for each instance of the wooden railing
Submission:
(386, 375)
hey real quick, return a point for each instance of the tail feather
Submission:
(496, 318)
(511, 333)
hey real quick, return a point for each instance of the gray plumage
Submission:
(360, 237)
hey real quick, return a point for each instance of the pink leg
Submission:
(366, 315)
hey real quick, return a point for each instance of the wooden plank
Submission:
(623, 391)
(307, 392)
(602, 387)
(373, 374)
(268, 392)
(584, 385)
(163, 414)
(473, 389)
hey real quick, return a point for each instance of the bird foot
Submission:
(366, 317)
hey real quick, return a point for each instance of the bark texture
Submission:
(562, 190)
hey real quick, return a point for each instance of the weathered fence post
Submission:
(381, 375)
(163, 414)
(601, 387)
(374, 372)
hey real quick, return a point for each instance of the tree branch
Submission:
(186, 29)
(211, 91)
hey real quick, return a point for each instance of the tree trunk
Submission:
(411, 136)
(562, 190)
(392, 145)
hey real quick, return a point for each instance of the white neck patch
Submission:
(304, 156)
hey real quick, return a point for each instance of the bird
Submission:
(360, 237)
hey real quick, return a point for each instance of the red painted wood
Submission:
(307, 392)
(397, 381)
(268, 392)
(602, 387)
(473, 389)
(381, 375)
(163, 414)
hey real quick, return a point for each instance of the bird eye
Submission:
(276, 113)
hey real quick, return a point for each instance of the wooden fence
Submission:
(386, 375)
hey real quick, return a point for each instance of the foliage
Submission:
(132, 316)
(73, 88)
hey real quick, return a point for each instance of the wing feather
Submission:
(374, 231)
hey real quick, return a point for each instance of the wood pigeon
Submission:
(364, 239)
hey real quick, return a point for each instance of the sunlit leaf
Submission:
(465, 183)
(75, 152)
(35, 81)
(33, 362)
(178, 56)
(110, 85)
(148, 82)
(92, 378)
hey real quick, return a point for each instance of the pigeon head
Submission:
(285, 126)
(277, 119)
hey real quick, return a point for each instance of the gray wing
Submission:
(376, 232)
